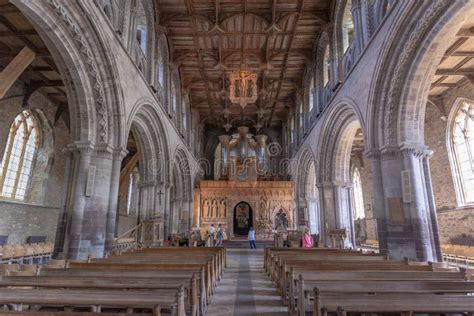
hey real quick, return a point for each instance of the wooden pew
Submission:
(305, 288)
(405, 303)
(147, 274)
(100, 282)
(157, 300)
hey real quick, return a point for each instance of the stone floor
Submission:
(244, 288)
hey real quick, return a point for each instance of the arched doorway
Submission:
(242, 219)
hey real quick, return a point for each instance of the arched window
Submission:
(292, 129)
(347, 26)
(18, 157)
(326, 66)
(161, 69)
(142, 28)
(185, 117)
(132, 193)
(359, 212)
(312, 197)
(311, 94)
(462, 144)
(301, 119)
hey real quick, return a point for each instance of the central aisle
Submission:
(244, 288)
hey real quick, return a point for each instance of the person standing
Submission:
(251, 238)
(220, 236)
(307, 239)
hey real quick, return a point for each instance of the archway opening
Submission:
(243, 219)
(447, 129)
(35, 127)
(128, 210)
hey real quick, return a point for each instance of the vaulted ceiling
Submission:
(273, 38)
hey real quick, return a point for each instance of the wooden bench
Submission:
(305, 288)
(405, 303)
(123, 283)
(96, 299)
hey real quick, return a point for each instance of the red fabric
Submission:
(307, 241)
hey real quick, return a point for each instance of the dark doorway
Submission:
(242, 219)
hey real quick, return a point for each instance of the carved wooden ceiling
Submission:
(211, 38)
(456, 66)
(42, 75)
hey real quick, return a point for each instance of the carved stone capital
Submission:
(390, 153)
(418, 151)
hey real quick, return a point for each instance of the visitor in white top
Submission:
(251, 239)
(212, 229)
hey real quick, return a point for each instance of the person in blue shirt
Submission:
(251, 238)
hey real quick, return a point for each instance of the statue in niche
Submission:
(205, 208)
(214, 209)
(222, 209)
(281, 221)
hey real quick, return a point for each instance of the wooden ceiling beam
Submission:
(454, 72)
(202, 71)
(283, 69)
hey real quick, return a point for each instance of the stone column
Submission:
(358, 27)
(97, 204)
(407, 224)
(81, 161)
(167, 210)
(378, 200)
(160, 200)
(196, 208)
(435, 241)
(60, 244)
(147, 199)
(419, 208)
(118, 156)
(329, 218)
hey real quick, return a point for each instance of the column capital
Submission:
(119, 153)
(104, 151)
(80, 147)
(390, 153)
(418, 151)
(373, 154)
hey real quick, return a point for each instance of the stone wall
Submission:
(20, 220)
(453, 221)
(38, 215)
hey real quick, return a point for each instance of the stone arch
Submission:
(343, 118)
(145, 122)
(180, 217)
(337, 40)
(402, 87)
(333, 179)
(322, 95)
(84, 64)
(307, 197)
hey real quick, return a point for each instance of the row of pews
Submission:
(28, 253)
(152, 281)
(319, 281)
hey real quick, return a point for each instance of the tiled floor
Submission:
(244, 288)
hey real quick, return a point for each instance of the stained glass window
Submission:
(18, 158)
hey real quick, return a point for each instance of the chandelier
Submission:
(243, 87)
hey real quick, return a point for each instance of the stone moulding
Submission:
(92, 68)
